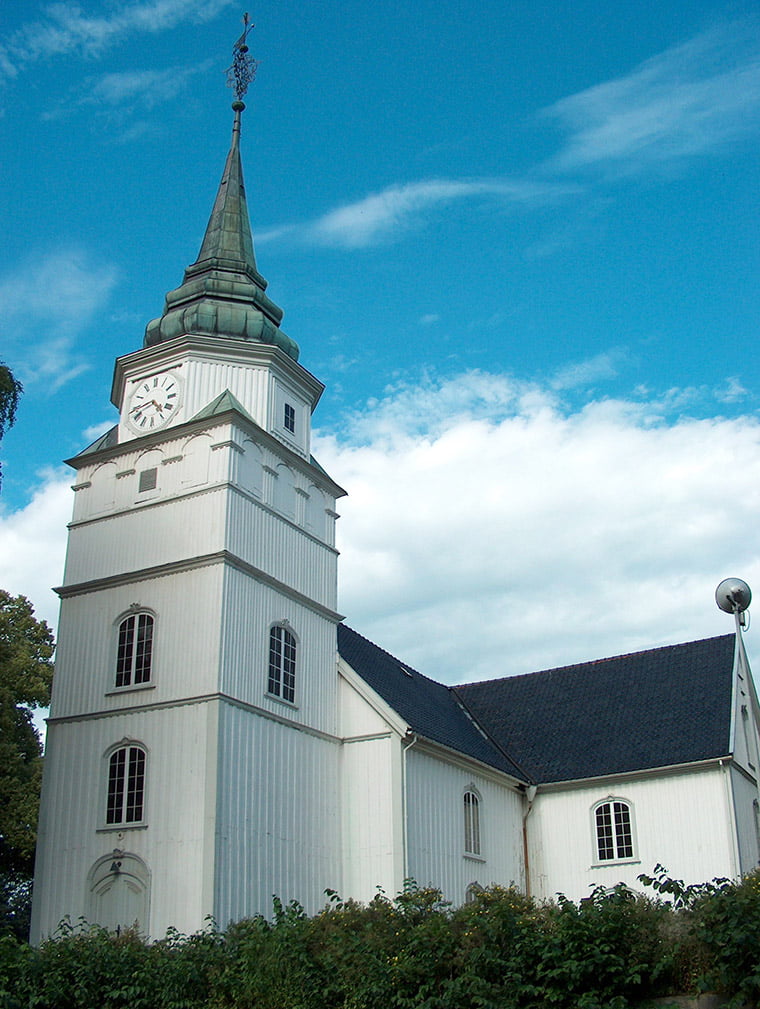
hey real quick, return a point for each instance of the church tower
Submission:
(192, 756)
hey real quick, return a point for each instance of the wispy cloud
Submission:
(685, 101)
(66, 28)
(57, 294)
(146, 87)
(117, 96)
(381, 217)
(599, 368)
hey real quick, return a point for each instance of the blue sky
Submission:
(517, 242)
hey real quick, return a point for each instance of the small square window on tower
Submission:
(290, 418)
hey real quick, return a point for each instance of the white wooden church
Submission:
(218, 736)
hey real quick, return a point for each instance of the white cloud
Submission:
(380, 217)
(684, 101)
(33, 544)
(57, 294)
(506, 535)
(144, 87)
(66, 28)
(488, 531)
(583, 373)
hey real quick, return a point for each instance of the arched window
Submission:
(471, 823)
(126, 785)
(614, 830)
(134, 655)
(282, 664)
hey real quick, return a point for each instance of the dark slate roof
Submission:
(429, 708)
(650, 709)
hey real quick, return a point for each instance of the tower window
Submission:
(614, 832)
(290, 418)
(471, 823)
(282, 664)
(126, 785)
(134, 654)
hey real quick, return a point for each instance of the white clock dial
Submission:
(153, 402)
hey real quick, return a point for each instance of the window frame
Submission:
(473, 833)
(289, 418)
(282, 663)
(131, 659)
(618, 835)
(126, 784)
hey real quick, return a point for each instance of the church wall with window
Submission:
(250, 609)
(185, 643)
(170, 838)
(663, 809)
(438, 818)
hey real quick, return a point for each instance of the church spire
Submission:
(222, 294)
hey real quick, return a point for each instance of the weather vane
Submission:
(243, 68)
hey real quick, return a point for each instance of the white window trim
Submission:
(105, 783)
(134, 611)
(596, 861)
(472, 830)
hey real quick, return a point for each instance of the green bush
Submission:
(727, 924)
(502, 951)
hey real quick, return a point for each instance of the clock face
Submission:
(153, 402)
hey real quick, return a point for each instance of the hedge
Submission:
(612, 950)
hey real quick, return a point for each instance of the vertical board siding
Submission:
(172, 843)
(160, 533)
(249, 610)
(371, 830)
(435, 814)
(186, 642)
(744, 796)
(562, 837)
(278, 834)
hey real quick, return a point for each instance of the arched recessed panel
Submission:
(118, 892)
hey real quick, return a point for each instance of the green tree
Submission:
(10, 390)
(26, 672)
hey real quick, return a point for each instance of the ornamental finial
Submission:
(243, 69)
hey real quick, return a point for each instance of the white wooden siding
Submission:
(278, 819)
(682, 821)
(186, 645)
(435, 790)
(373, 830)
(179, 804)
(745, 796)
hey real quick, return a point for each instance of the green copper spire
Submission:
(222, 294)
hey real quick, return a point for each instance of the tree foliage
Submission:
(10, 391)
(26, 672)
